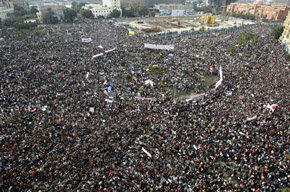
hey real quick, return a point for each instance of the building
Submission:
(4, 12)
(277, 2)
(169, 6)
(218, 3)
(285, 38)
(56, 8)
(10, 4)
(105, 9)
(174, 9)
(7, 7)
(276, 13)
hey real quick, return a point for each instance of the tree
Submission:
(33, 10)
(101, 17)
(19, 11)
(128, 13)
(87, 13)
(152, 13)
(69, 15)
(278, 31)
(139, 7)
(79, 7)
(115, 13)
(74, 5)
(22, 25)
(49, 17)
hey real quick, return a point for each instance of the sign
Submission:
(162, 47)
(86, 40)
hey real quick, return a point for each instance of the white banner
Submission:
(86, 40)
(162, 47)
(195, 96)
(221, 79)
(147, 153)
(144, 98)
(98, 55)
(110, 50)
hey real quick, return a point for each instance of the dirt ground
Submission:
(165, 25)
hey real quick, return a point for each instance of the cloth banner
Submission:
(98, 55)
(147, 153)
(162, 47)
(144, 98)
(221, 79)
(227, 37)
(195, 97)
(109, 100)
(110, 50)
(86, 40)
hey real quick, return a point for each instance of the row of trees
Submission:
(244, 16)
(137, 8)
(18, 16)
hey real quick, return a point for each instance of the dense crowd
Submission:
(71, 122)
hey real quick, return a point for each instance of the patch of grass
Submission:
(154, 69)
(128, 78)
(185, 72)
(205, 50)
(245, 65)
(197, 85)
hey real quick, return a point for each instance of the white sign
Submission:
(98, 55)
(86, 40)
(162, 47)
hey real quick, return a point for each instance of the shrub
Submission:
(87, 13)
(20, 26)
(278, 32)
(128, 78)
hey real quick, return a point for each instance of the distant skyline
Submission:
(151, 2)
